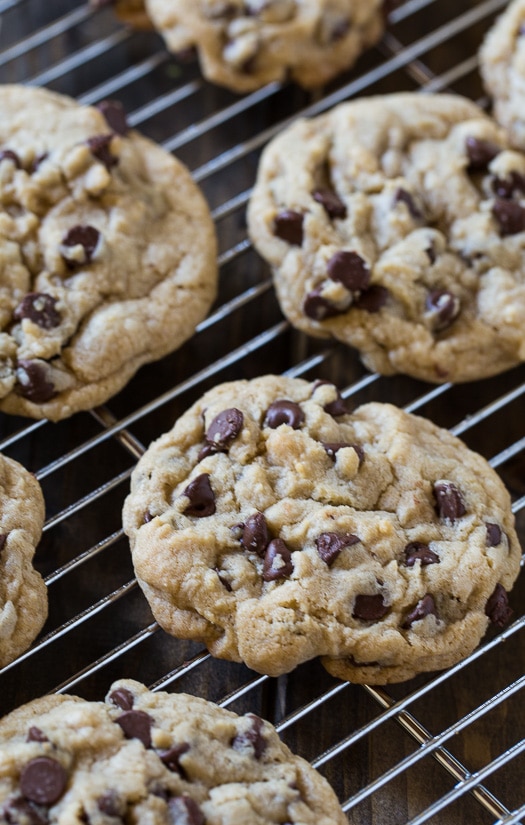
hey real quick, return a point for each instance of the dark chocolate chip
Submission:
(85, 236)
(506, 187)
(329, 545)
(34, 734)
(3, 539)
(369, 608)
(431, 252)
(277, 561)
(449, 501)
(122, 698)
(115, 116)
(509, 215)
(493, 534)
(252, 737)
(443, 308)
(255, 534)
(331, 203)
(425, 607)
(316, 307)
(402, 196)
(32, 382)
(372, 299)
(480, 153)
(223, 580)
(201, 496)
(288, 225)
(497, 607)
(332, 447)
(20, 811)
(147, 517)
(111, 804)
(171, 758)
(39, 307)
(183, 810)
(136, 724)
(284, 412)
(417, 551)
(224, 428)
(8, 154)
(349, 269)
(337, 407)
(99, 146)
(43, 780)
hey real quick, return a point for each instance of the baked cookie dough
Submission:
(23, 594)
(154, 758)
(396, 224)
(107, 253)
(132, 12)
(502, 66)
(274, 526)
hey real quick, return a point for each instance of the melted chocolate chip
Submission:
(224, 428)
(39, 307)
(370, 608)
(449, 501)
(201, 496)
(255, 534)
(316, 307)
(497, 607)
(480, 153)
(506, 187)
(183, 810)
(99, 146)
(425, 607)
(43, 780)
(329, 545)
(252, 737)
(136, 724)
(20, 811)
(288, 225)
(402, 196)
(417, 551)
(115, 116)
(509, 215)
(331, 203)
(32, 382)
(493, 534)
(277, 561)
(284, 412)
(443, 308)
(334, 408)
(171, 758)
(34, 734)
(85, 236)
(349, 269)
(122, 698)
(372, 299)
(110, 804)
(8, 154)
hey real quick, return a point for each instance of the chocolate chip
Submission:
(442, 307)
(147, 517)
(99, 146)
(8, 154)
(497, 607)
(171, 758)
(255, 535)
(115, 115)
(349, 269)
(39, 160)
(431, 252)
(509, 215)
(223, 580)
(493, 534)
(417, 551)
(277, 561)
(201, 496)
(331, 203)
(111, 804)
(332, 447)
(402, 196)
(122, 698)
(3, 539)
(369, 608)
(43, 780)
(506, 187)
(252, 737)
(334, 408)
(288, 225)
(480, 153)
(372, 299)
(183, 810)
(20, 811)
(224, 428)
(329, 545)
(39, 307)
(316, 307)
(450, 504)
(34, 734)
(284, 412)
(136, 724)
(425, 607)
(85, 236)
(339, 29)
(32, 382)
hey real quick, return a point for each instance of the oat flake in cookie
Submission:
(107, 253)
(23, 594)
(156, 758)
(275, 526)
(396, 224)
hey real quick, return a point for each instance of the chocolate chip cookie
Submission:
(132, 12)
(153, 758)
(23, 594)
(502, 66)
(396, 224)
(274, 525)
(107, 253)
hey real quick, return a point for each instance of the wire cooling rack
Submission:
(443, 748)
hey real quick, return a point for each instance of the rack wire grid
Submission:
(442, 748)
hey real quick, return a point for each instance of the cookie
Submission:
(155, 758)
(275, 526)
(107, 253)
(502, 67)
(23, 594)
(132, 12)
(396, 224)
